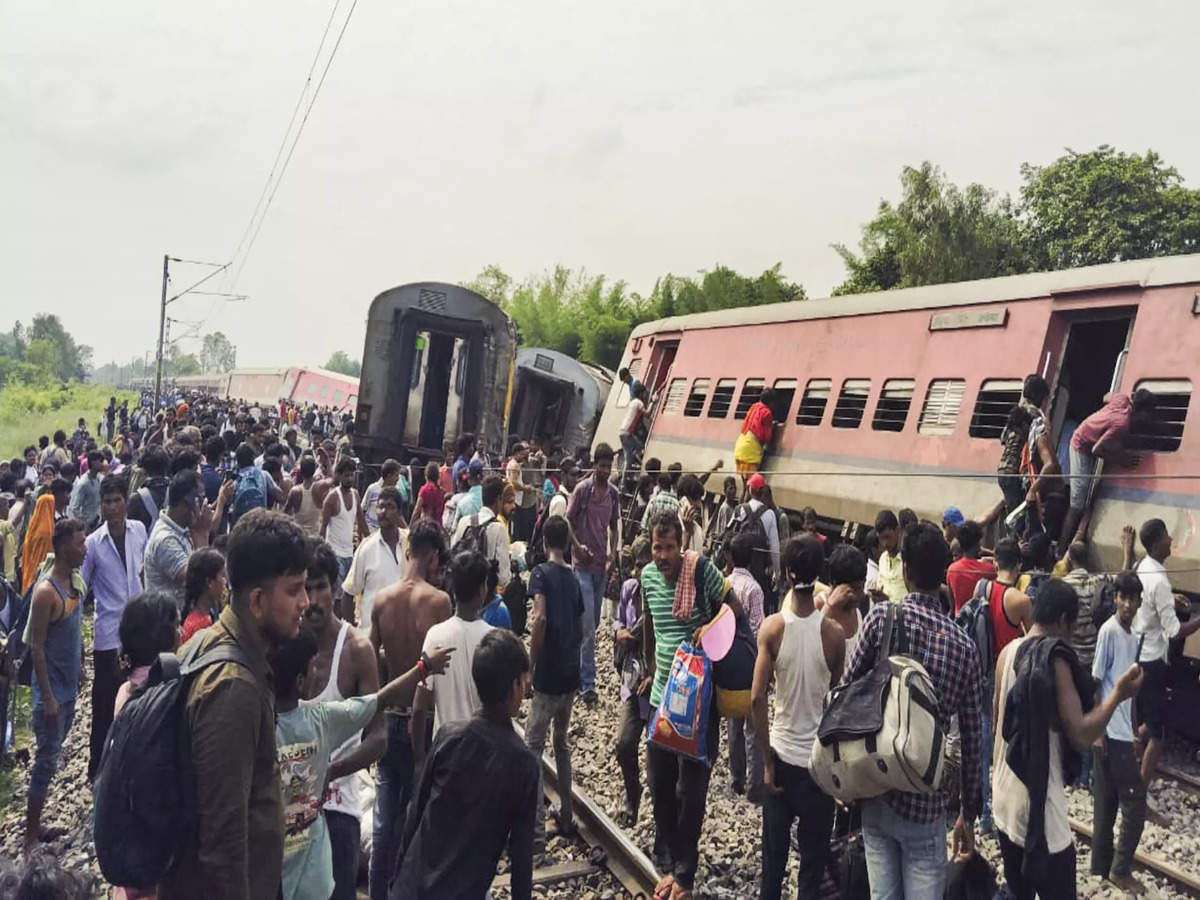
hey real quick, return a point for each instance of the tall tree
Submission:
(1106, 205)
(340, 361)
(217, 353)
(937, 232)
(68, 361)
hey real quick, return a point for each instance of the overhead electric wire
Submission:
(287, 132)
(299, 131)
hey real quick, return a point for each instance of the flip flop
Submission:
(665, 888)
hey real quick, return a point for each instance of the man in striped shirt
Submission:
(678, 786)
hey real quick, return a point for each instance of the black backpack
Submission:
(1104, 602)
(145, 792)
(474, 536)
(749, 522)
(975, 618)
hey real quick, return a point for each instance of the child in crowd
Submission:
(496, 612)
(627, 656)
(305, 738)
(149, 626)
(556, 636)
(205, 587)
(1116, 773)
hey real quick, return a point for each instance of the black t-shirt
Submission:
(557, 669)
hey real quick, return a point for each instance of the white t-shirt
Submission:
(631, 415)
(1116, 651)
(454, 696)
(374, 568)
(512, 473)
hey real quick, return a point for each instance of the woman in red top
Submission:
(756, 434)
(430, 500)
(205, 588)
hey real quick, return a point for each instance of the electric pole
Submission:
(162, 322)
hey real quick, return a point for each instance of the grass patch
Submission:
(28, 411)
(12, 773)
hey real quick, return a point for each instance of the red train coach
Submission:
(898, 398)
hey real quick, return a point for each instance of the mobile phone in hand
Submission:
(1141, 640)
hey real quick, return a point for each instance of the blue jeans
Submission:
(49, 747)
(905, 860)
(591, 585)
(393, 790)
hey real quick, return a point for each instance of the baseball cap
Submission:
(475, 467)
(756, 482)
(953, 516)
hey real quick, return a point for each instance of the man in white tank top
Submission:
(343, 667)
(305, 499)
(340, 512)
(802, 651)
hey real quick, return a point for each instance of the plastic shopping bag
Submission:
(680, 724)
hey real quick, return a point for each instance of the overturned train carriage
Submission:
(556, 398)
(437, 363)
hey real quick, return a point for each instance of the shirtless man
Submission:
(343, 667)
(400, 616)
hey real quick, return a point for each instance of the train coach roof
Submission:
(1144, 273)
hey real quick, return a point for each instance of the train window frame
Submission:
(746, 398)
(324, 392)
(338, 396)
(1000, 395)
(635, 369)
(891, 410)
(804, 412)
(784, 387)
(719, 403)
(845, 407)
(691, 409)
(673, 398)
(420, 342)
(460, 374)
(942, 421)
(1174, 388)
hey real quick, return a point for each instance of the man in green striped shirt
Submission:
(678, 786)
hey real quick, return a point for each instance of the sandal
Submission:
(665, 888)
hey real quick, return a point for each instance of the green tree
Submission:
(46, 356)
(217, 353)
(1106, 205)
(936, 233)
(69, 361)
(341, 362)
(182, 364)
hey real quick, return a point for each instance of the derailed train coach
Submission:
(437, 362)
(556, 398)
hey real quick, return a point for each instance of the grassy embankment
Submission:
(29, 411)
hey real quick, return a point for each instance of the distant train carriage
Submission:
(320, 387)
(437, 363)
(557, 398)
(262, 386)
(898, 398)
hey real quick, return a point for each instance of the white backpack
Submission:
(881, 732)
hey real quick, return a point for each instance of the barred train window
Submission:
(894, 401)
(997, 396)
(1163, 431)
(785, 393)
(674, 398)
(814, 401)
(695, 400)
(943, 400)
(851, 403)
(722, 398)
(751, 390)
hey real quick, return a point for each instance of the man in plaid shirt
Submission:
(904, 834)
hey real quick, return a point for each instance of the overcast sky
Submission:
(629, 138)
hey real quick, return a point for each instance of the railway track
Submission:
(611, 849)
(1188, 783)
(1155, 864)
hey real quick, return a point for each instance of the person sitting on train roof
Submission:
(1103, 435)
(756, 434)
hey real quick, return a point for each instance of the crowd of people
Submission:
(374, 635)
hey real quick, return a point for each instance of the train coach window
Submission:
(894, 402)
(1163, 431)
(814, 401)
(752, 389)
(325, 392)
(997, 397)
(722, 398)
(338, 395)
(674, 398)
(851, 403)
(943, 400)
(695, 400)
(785, 393)
(635, 370)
